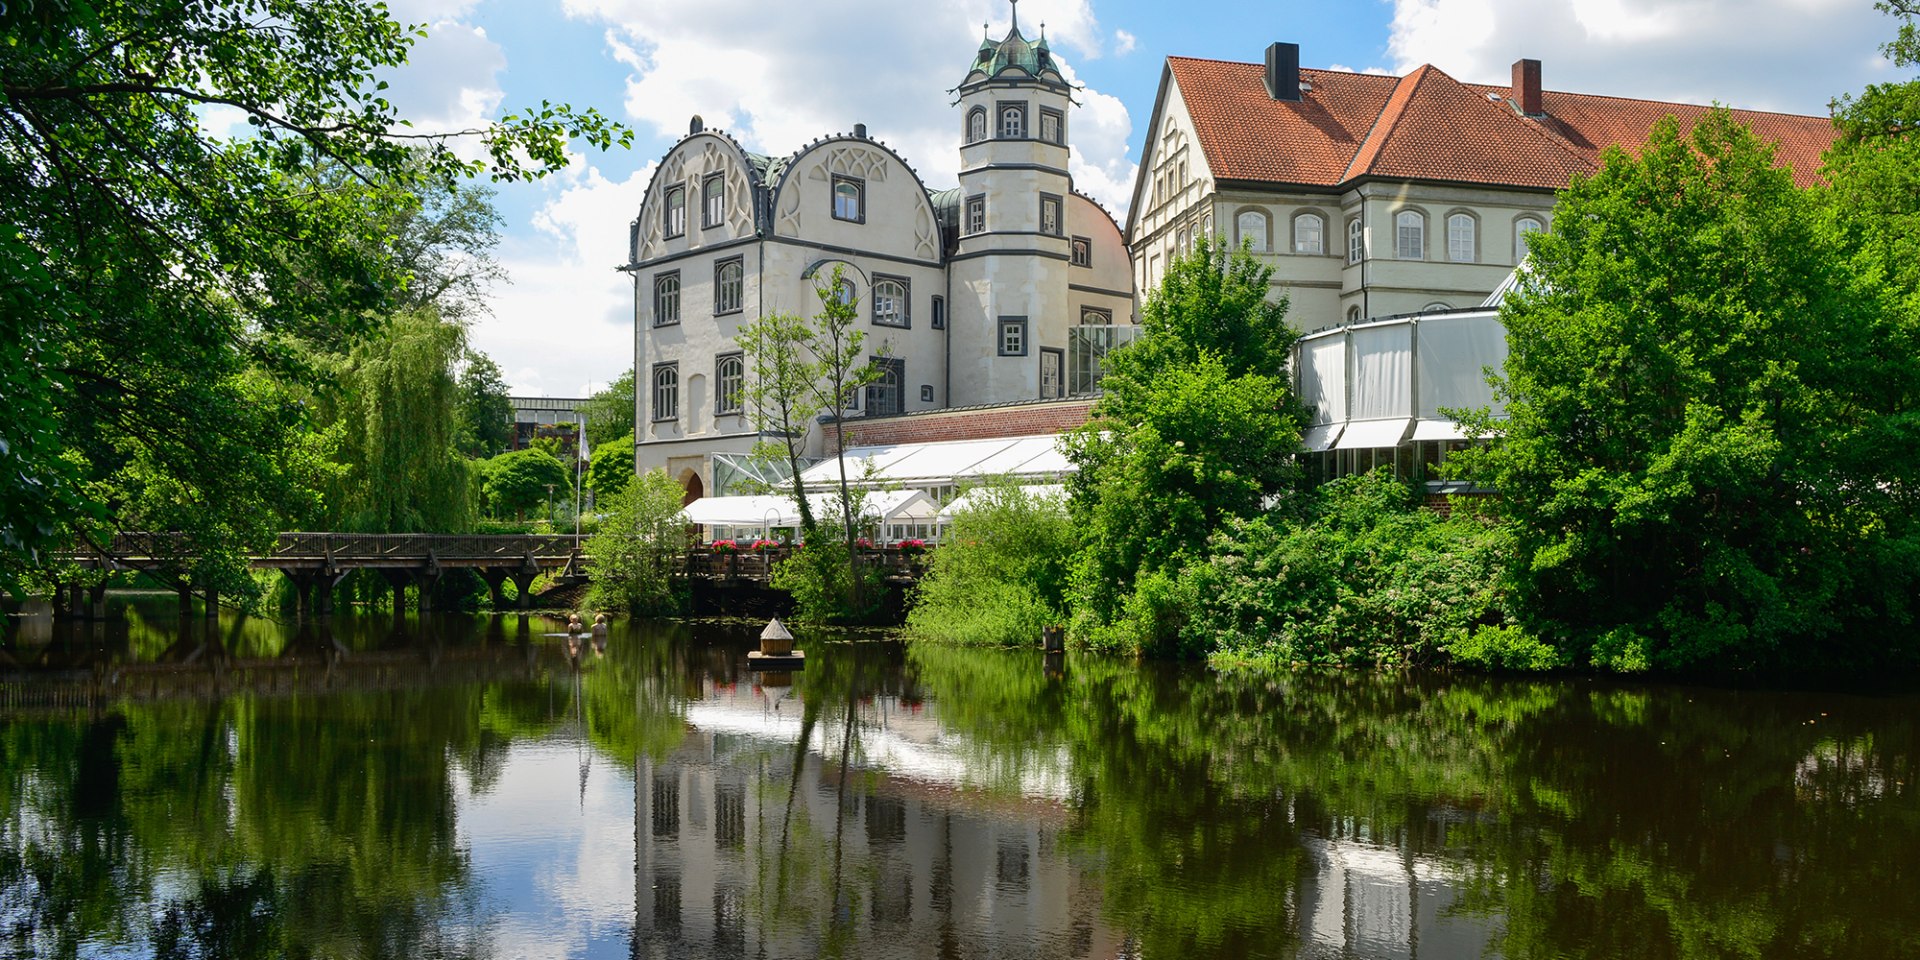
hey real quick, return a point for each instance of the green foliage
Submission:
(1503, 648)
(525, 480)
(162, 264)
(485, 425)
(398, 410)
(1000, 575)
(779, 398)
(633, 549)
(828, 583)
(1711, 412)
(1197, 426)
(1362, 574)
(611, 468)
(609, 411)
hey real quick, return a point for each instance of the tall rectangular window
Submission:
(1460, 240)
(849, 199)
(729, 281)
(1013, 120)
(939, 313)
(977, 214)
(1052, 126)
(887, 394)
(1052, 361)
(1082, 252)
(890, 301)
(1013, 336)
(666, 396)
(713, 200)
(1356, 241)
(1050, 215)
(730, 377)
(675, 215)
(666, 299)
(1410, 235)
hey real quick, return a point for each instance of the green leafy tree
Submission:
(611, 469)
(525, 480)
(632, 551)
(1705, 461)
(398, 410)
(1000, 576)
(609, 411)
(779, 396)
(485, 410)
(1196, 426)
(166, 262)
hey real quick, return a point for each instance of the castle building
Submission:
(1008, 287)
(1375, 196)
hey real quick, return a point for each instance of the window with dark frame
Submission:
(977, 214)
(891, 301)
(976, 124)
(1052, 126)
(666, 299)
(1053, 362)
(1050, 215)
(674, 216)
(1082, 251)
(939, 313)
(1013, 336)
(1013, 121)
(729, 283)
(849, 199)
(666, 391)
(713, 200)
(887, 393)
(926, 393)
(730, 374)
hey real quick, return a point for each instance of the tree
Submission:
(168, 262)
(779, 396)
(397, 410)
(838, 346)
(1707, 459)
(611, 468)
(631, 553)
(1000, 575)
(1197, 425)
(609, 411)
(485, 410)
(524, 479)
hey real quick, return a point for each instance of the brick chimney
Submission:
(1526, 87)
(1283, 72)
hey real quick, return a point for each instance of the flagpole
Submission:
(579, 464)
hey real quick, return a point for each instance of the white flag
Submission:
(584, 458)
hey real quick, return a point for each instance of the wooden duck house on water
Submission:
(776, 650)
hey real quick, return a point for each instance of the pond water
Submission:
(455, 787)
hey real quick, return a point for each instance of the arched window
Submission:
(1013, 122)
(1253, 230)
(1356, 241)
(844, 293)
(713, 196)
(1353, 314)
(1434, 306)
(666, 391)
(849, 199)
(666, 299)
(890, 302)
(1181, 241)
(674, 214)
(1460, 240)
(730, 372)
(1521, 228)
(976, 124)
(1410, 235)
(727, 284)
(1206, 225)
(1309, 234)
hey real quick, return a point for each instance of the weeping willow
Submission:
(395, 422)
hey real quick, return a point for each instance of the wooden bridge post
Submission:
(213, 603)
(496, 579)
(97, 601)
(524, 583)
(186, 599)
(424, 583)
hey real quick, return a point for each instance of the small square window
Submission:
(1013, 336)
(1082, 252)
(926, 393)
(849, 199)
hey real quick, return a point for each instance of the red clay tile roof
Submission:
(1429, 126)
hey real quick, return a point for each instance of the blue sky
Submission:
(776, 74)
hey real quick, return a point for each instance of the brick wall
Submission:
(975, 423)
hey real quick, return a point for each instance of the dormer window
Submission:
(713, 199)
(849, 199)
(976, 124)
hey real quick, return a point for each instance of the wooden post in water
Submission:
(97, 601)
(1053, 638)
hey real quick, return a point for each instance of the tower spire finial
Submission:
(1016, 15)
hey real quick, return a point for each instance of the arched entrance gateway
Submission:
(690, 480)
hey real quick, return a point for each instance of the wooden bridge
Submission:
(316, 562)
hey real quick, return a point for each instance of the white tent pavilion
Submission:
(1050, 492)
(941, 468)
(895, 514)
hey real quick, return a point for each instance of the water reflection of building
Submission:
(899, 850)
(1379, 897)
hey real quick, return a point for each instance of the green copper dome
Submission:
(1015, 52)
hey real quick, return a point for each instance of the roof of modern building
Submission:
(1429, 126)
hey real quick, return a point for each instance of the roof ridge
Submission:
(1664, 103)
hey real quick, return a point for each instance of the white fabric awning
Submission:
(1439, 430)
(1319, 437)
(1373, 434)
(742, 512)
(966, 501)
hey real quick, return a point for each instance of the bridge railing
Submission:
(136, 546)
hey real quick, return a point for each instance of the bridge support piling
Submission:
(424, 587)
(496, 585)
(97, 602)
(186, 599)
(523, 582)
(213, 603)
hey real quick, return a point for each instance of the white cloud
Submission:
(564, 324)
(777, 77)
(1788, 55)
(450, 81)
(1124, 42)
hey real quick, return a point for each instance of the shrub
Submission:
(1001, 574)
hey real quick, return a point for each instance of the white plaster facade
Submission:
(965, 311)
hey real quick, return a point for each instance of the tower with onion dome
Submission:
(1009, 271)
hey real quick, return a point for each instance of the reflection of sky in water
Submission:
(557, 861)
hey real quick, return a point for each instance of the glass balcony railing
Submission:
(1087, 349)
